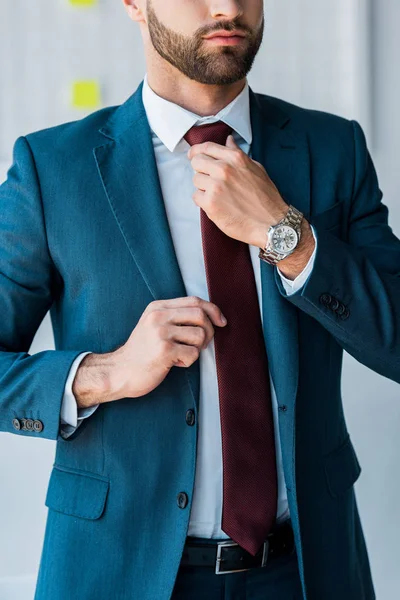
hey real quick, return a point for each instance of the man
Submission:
(196, 457)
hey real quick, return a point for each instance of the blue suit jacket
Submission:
(84, 233)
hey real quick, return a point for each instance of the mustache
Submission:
(225, 27)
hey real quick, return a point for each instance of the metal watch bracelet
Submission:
(294, 218)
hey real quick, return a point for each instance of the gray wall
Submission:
(372, 402)
(333, 56)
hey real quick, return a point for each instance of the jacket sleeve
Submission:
(354, 287)
(31, 386)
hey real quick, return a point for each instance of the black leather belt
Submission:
(228, 557)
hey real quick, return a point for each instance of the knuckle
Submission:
(198, 313)
(215, 190)
(154, 317)
(239, 158)
(195, 351)
(224, 172)
(163, 332)
(201, 335)
(212, 205)
(151, 306)
(217, 185)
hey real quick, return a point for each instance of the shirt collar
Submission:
(170, 122)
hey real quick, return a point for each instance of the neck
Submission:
(201, 99)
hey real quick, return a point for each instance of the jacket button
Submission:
(16, 424)
(345, 315)
(341, 309)
(29, 424)
(335, 304)
(182, 499)
(325, 299)
(190, 418)
(37, 425)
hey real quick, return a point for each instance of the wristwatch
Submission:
(283, 238)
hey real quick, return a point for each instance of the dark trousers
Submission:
(279, 580)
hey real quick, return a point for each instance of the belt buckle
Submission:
(227, 543)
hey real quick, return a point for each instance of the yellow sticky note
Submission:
(86, 94)
(82, 2)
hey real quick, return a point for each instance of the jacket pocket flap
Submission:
(342, 468)
(77, 493)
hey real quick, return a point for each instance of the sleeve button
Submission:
(29, 424)
(325, 299)
(341, 309)
(16, 424)
(37, 425)
(335, 304)
(345, 315)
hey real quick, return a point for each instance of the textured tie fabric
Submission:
(247, 428)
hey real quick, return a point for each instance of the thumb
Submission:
(230, 142)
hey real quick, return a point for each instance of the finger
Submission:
(213, 311)
(201, 181)
(207, 165)
(199, 198)
(184, 355)
(192, 316)
(214, 150)
(193, 336)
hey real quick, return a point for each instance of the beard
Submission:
(221, 66)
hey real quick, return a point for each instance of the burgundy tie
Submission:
(247, 429)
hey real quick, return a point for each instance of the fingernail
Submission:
(223, 319)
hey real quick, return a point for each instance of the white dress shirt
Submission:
(169, 123)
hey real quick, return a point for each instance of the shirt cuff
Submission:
(293, 285)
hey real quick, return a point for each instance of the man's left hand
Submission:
(235, 191)
(237, 194)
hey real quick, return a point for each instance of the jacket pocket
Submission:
(77, 493)
(331, 217)
(342, 468)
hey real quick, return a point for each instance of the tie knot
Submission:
(211, 132)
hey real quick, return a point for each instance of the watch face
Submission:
(284, 239)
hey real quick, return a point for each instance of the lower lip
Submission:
(227, 41)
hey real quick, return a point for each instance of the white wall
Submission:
(315, 53)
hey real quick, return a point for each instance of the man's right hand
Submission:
(169, 333)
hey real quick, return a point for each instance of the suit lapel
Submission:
(128, 170)
(127, 167)
(285, 156)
